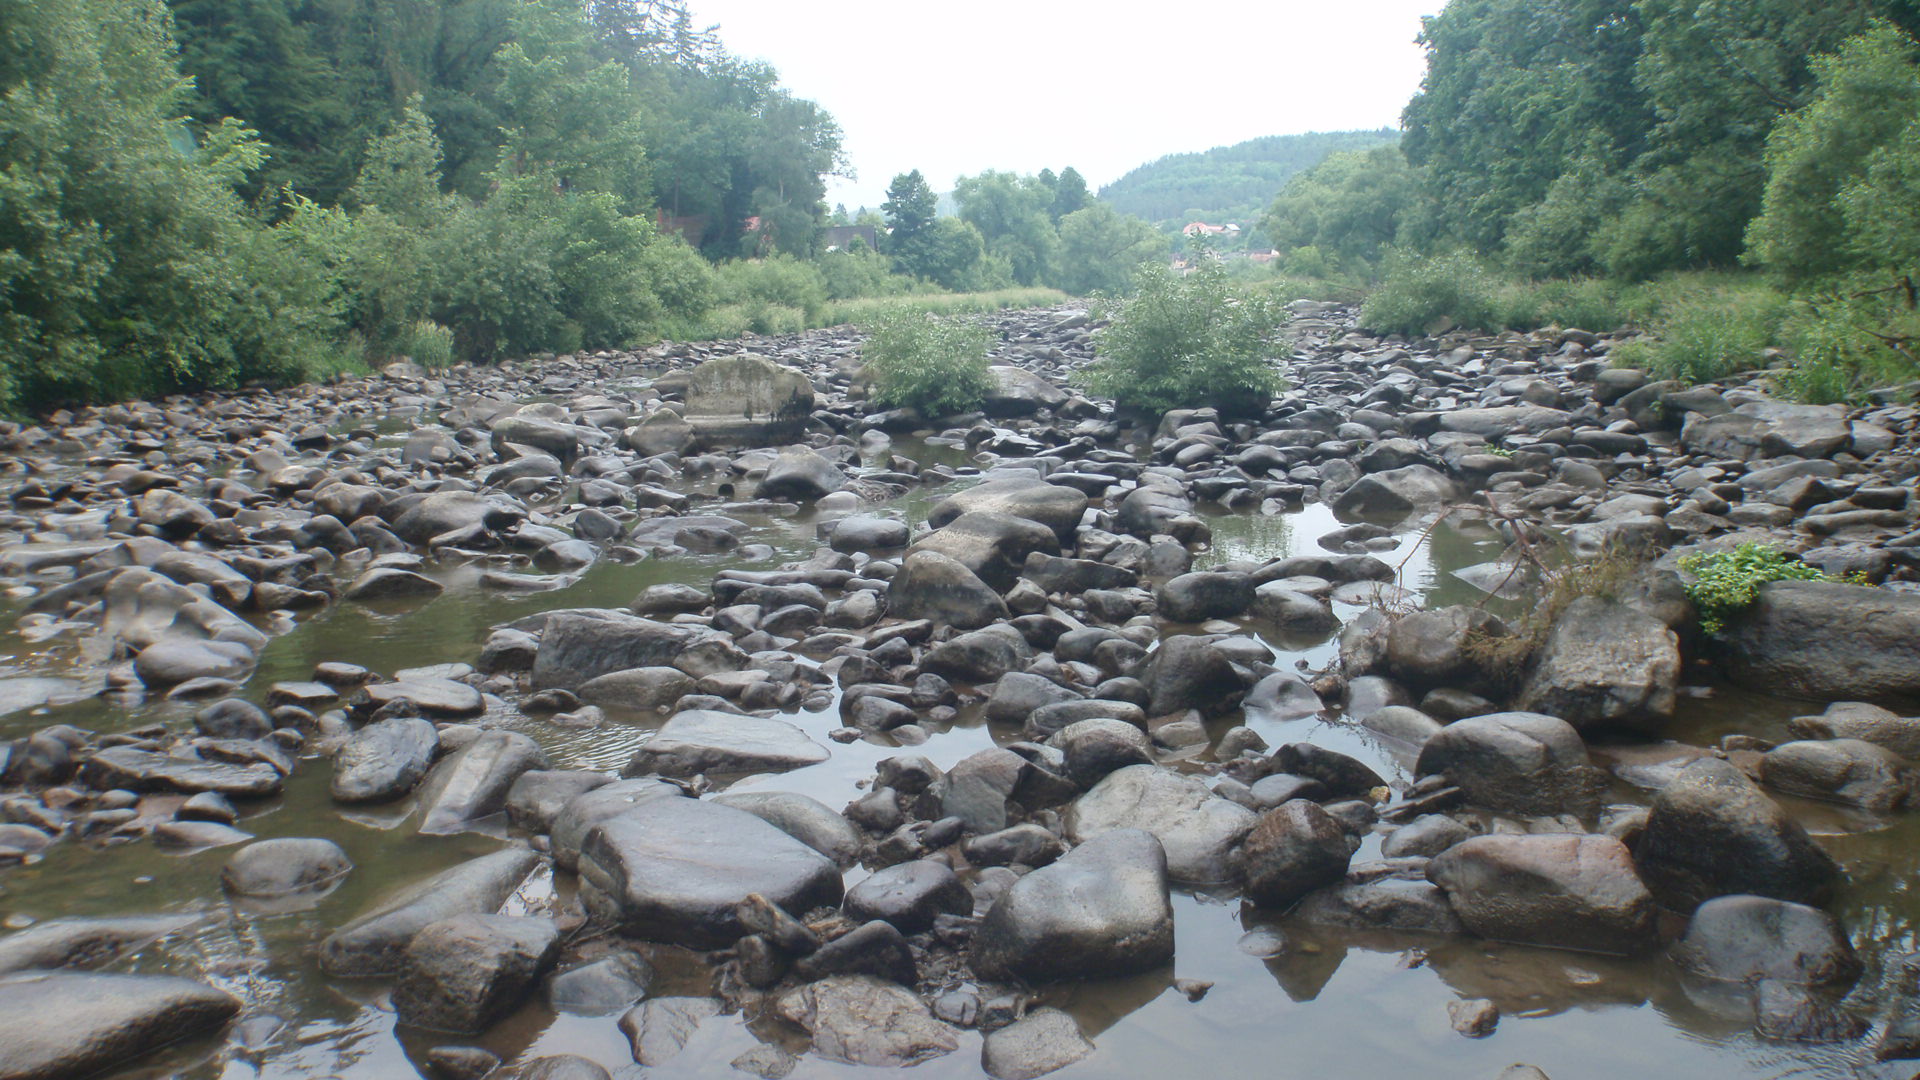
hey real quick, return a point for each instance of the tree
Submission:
(1100, 249)
(909, 207)
(127, 263)
(1070, 194)
(1011, 213)
(1833, 164)
(1188, 341)
(1350, 206)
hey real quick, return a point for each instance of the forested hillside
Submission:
(1227, 183)
(1631, 140)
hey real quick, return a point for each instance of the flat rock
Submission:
(861, 1020)
(1198, 829)
(703, 741)
(103, 1020)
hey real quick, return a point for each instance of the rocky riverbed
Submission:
(676, 713)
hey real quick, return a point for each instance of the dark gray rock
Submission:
(463, 972)
(372, 944)
(142, 770)
(285, 865)
(86, 943)
(1563, 891)
(1750, 938)
(1839, 770)
(910, 896)
(940, 589)
(1197, 597)
(703, 741)
(1294, 849)
(1826, 641)
(472, 783)
(601, 987)
(576, 647)
(383, 761)
(801, 475)
(103, 1020)
(1712, 832)
(802, 817)
(1521, 762)
(1101, 910)
(675, 870)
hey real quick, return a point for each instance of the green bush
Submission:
(1187, 342)
(858, 272)
(1725, 583)
(918, 360)
(1418, 294)
(1709, 332)
(1846, 344)
(1587, 303)
(429, 344)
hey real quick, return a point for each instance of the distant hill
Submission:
(1229, 183)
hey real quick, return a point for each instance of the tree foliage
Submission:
(1227, 183)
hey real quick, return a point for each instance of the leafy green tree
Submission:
(1011, 213)
(1070, 194)
(127, 265)
(909, 207)
(1100, 250)
(1188, 341)
(1822, 162)
(1350, 206)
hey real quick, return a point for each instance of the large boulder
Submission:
(1392, 495)
(1012, 391)
(373, 943)
(383, 761)
(746, 401)
(980, 656)
(1520, 762)
(1826, 641)
(994, 546)
(56, 1025)
(1188, 672)
(1056, 506)
(86, 942)
(703, 741)
(942, 590)
(1839, 770)
(1203, 595)
(801, 475)
(1100, 910)
(450, 511)
(1749, 938)
(1294, 849)
(464, 972)
(676, 870)
(576, 647)
(1564, 891)
(1429, 650)
(1197, 830)
(1713, 832)
(802, 817)
(472, 783)
(1605, 664)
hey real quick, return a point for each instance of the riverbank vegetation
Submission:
(201, 194)
(1741, 184)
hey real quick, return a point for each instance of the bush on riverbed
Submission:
(1189, 342)
(1725, 583)
(934, 364)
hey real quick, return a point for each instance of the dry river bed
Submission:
(1251, 987)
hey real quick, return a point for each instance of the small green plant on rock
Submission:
(919, 360)
(1725, 583)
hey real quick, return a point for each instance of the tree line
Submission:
(1632, 140)
(211, 193)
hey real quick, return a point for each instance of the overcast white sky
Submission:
(955, 89)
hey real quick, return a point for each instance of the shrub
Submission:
(923, 361)
(429, 344)
(1185, 342)
(1725, 583)
(1419, 293)
(1845, 345)
(1709, 329)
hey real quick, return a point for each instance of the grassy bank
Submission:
(760, 316)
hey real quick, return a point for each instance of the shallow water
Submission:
(1324, 1005)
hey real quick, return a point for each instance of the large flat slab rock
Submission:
(144, 770)
(673, 870)
(703, 741)
(1828, 641)
(576, 647)
(61, 1025)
